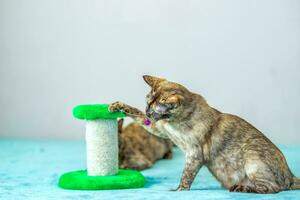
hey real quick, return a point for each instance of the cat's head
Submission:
(166, 100)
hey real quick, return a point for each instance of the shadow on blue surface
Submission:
(29, 169)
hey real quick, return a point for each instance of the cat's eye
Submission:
(163, 101)
(170, 105)
(167, 105)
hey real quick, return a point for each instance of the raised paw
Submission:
(116, 106)
(241, 188)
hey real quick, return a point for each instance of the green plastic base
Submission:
(95, 111)
(79, 180)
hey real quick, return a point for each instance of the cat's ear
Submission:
(152, 81)
(120, 125)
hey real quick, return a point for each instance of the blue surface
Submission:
(30, 170)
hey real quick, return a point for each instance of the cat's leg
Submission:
(261, 177)
(257, 186)
(192, 166)
(265, 187)
(242, 188)
(138, 116)
(132, 112)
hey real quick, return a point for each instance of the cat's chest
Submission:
(185, 140)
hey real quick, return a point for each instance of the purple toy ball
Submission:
(147, 122)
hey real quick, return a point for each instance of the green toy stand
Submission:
(102, 154)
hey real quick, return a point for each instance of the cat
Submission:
(234, 151)
(138, 149)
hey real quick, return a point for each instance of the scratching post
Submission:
(102, 153)
(102, 147)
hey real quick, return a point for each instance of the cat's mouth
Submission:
(158, 116)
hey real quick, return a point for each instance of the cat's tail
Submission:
(296, 184)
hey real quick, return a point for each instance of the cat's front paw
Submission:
(181, 188)
(116, 106)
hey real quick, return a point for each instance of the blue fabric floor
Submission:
(29, 169)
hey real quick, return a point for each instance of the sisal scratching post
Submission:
(102, 147)
(102, 153)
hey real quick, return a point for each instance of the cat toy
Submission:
(147, 122)
(101, 153)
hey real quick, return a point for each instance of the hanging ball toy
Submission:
(147, 122)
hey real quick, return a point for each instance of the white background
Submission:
(243, 56)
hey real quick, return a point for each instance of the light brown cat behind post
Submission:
(138, 149)
(235, 152)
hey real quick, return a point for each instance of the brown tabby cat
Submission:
(235, 152)
(140, 150)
